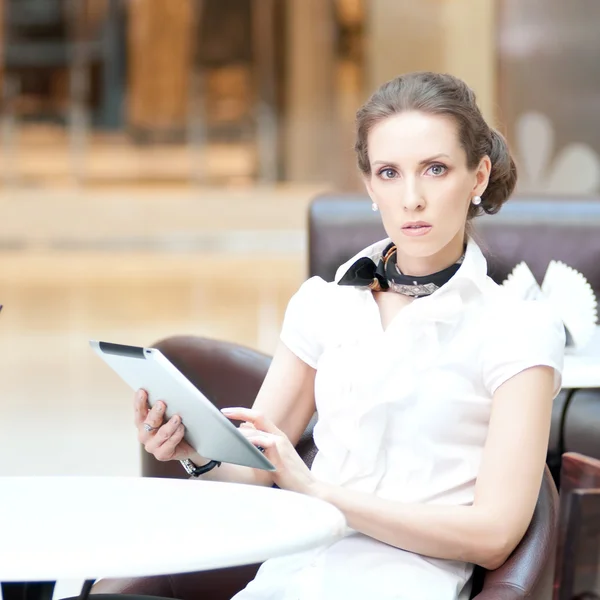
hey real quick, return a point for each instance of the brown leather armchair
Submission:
(227, 372)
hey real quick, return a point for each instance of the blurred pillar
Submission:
(402, 37)
(454, 36)
(470, 51)
(350, 91)
(160, 53)
(309, 125)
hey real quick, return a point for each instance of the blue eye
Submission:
(388, 173)
(437, 170)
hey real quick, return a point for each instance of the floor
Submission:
(130, 257)
(64, 412)
(128, 268)
(67, 279)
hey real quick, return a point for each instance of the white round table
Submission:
(89, 528)
(582, 366)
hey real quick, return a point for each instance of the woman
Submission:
(433, 386)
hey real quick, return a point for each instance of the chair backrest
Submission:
(535, 230)
(577, 573)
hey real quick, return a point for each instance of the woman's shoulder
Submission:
(502, 308)
(317, 290)
(325, 302)
(514, 326)
(312, 319)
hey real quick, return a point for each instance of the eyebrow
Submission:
(423, 162)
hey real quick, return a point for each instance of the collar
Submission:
(473, 270)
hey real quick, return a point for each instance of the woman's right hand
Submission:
(165, 440)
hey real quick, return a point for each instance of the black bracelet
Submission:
(195, 471)
(209, 466)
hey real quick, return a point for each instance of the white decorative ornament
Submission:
(374, 207)
(575, 169)
(567, 290)
(522, 283)
(476, 200)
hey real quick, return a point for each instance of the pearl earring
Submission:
(374, 207)
(476, 200)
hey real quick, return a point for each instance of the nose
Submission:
(413, 199)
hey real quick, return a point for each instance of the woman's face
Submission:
(421, 183)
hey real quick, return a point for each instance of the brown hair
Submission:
(443, 94)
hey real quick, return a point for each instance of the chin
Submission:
(417, 247)
(423, 246)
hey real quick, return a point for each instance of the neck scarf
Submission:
(385, 276)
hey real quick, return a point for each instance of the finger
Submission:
(163, 434)
(262, 442)
(247, 426)
(154, 420)
(261, 438)
(254, 417)
(140, 407)
(168, 449)
(251, 431)
(156, 415)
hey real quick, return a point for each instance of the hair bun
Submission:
(503, 176)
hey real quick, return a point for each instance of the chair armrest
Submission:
(528, 572)
(502, 591)
(143, 586)
(218, 584)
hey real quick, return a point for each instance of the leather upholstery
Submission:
(578, 535)
(239, 371)
(528, 573)
(582, 423)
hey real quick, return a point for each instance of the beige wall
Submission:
(402, 37)
(455, 36)
(470, 48)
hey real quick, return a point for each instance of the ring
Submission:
(149, 428)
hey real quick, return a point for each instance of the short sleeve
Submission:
(302, 325)
(527, 334)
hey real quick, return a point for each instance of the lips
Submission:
(416, 225)
(418, 228)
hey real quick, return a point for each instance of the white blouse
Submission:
(403, 414)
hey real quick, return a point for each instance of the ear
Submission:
(482, 176)
(367, 182)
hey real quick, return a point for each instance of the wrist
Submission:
(320, 490)
(198, 460)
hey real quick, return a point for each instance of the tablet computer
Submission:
(207, 430)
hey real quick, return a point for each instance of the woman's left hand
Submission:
(291, 474)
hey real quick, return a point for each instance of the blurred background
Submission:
(157, 158)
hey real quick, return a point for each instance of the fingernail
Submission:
(140, 394)
(159, 406)
(176, 420)
(227, 410)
